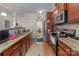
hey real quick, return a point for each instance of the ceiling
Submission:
(2, 9)
(27, 7)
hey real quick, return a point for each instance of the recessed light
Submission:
(40, 11)
(3, 14)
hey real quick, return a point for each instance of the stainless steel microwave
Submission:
(61, 18)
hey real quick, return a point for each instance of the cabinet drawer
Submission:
(10, 50)
(16, 52)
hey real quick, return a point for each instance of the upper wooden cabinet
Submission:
(73, 12)
(49, 20)
(60, 7)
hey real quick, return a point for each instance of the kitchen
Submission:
(42, 29)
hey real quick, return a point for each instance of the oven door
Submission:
(54, 41)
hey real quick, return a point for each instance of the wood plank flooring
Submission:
(40, 49)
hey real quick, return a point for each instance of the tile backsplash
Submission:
(70, 26)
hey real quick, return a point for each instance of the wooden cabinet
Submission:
(49, 20)
(52, 21)
(48, 37)
(12, 49)
(63, 49)
(73, 12)
(28, 41)
(61, 52)
(60, 7)
(24, 50)
(16, 52)
(24, 46)
(0, 54)
(19, 48)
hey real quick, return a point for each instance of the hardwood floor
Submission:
(40, 49)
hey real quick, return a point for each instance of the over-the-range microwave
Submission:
(61, 18)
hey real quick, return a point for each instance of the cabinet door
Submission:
(11, 49)
(24, 46)
(16, 52)
(52, 21)
(73, 12)
(0, 54)
(28, 45)
(61, 52)
(28, 41)
(60, 7)
(65, 47)
(49, 19)
(24, 50)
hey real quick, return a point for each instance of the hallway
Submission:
(40, 49)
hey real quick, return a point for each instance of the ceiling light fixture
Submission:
(40, 11)
(3, 14)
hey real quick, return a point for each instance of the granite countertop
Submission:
(72, 43)
(9, 43)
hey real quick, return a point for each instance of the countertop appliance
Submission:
(4, 34)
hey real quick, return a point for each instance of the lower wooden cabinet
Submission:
(61, 52)
(0, 54)
(16, 52)
(64, 47)
(24, 50)
(28, 41)
(24, 46)
(19, 48)
(64, 50)
(12, 49)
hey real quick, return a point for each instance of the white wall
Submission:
(2, 22)
(71, 26)
(28, 21)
